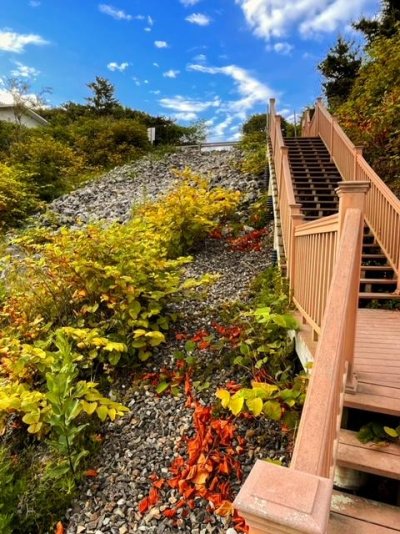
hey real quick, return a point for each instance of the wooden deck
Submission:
(377, 362)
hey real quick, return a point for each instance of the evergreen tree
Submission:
(103, 99)
(340, 69)
(382, 26)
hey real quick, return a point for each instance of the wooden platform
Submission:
(377, 362)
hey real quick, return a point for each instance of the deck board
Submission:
(377, 361)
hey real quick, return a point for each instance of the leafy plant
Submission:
(269, 400)
(17, 197)
(378, 433)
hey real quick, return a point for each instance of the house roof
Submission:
(27, 111)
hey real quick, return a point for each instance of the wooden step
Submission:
(376, 268)
(351, 511)
(368, 256)
(341, 524)
(383, 281)
(369, 458)
(374, 398)
(379, 296)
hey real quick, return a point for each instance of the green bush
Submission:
(17, 197)
(104, 143)
(370, 116)
(254, 147)
(48, 162)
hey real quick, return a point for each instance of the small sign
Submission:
(151, 134)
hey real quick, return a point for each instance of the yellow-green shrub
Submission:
(17, 196)
(49, 163)
(114, 280)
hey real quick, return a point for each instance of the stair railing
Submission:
(276, 499)
(289, 210)
(382, 209)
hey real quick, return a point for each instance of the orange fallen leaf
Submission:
(226, 509)
(59, 528)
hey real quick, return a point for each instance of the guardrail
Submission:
(382, 209)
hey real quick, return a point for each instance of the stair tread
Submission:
(370, 458)
(367, 295)
(384, 281)
(376, 268)
(373, 398)
(373, 512)
(341, 524)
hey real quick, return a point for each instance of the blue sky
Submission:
(215, 60)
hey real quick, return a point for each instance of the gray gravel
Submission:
(113, 195)
(147, 439)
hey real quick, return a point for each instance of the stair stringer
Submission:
(273, 192)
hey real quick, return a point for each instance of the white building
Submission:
(29, 118)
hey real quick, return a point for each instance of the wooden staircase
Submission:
(315, 179)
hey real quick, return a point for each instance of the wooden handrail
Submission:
(314, 450)
(289, 210)
(297, 499)
(382, 210)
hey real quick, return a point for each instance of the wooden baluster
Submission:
(358, 152)
(297, 218)
(352, 195)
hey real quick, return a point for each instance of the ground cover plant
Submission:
(76, 303)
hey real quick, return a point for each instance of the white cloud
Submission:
(200, 58)
(199, 18)
(23, 71)
(115, 13)
(251, 91)
(281, 48)
(16, 42)
(189, 116)
(156, 65)
(161, 44)
(35, 3)
(157, 92)
(171, 73)
(150, 21)
(274, 18)
(113, 66)
(187, 105)
(147, 29)
(189, 3)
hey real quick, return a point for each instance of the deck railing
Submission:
(382, 209)
(275, 499)
(314, 257)
(289, 210)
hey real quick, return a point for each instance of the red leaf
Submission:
(59, 528)
(203, 345)
(153, 496)
(169, 512)
(144, 505)
(90, 473)
(159, 483)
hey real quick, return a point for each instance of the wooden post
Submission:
(272, 112)
(277, 500)
(319, 101)
(352, 195)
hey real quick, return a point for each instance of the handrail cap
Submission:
(353, 187)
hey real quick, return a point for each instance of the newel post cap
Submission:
(279, 499)
(352, 187)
